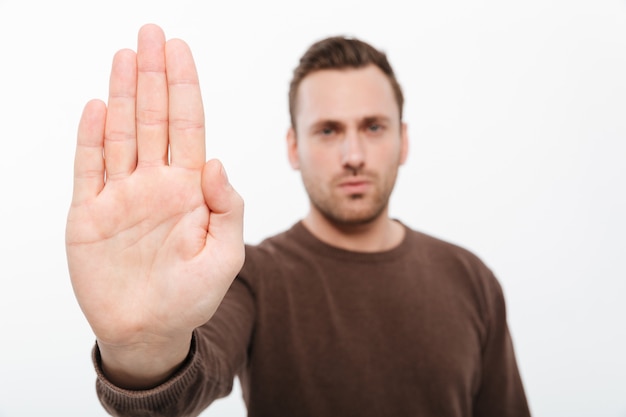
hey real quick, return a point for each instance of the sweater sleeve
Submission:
(501, 392)
(218, 353)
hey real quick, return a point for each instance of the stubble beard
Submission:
(354, 209)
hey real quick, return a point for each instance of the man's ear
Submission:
(292, 148)
(404, 137)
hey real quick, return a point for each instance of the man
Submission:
(347, 313)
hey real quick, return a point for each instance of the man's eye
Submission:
(374, 128)
(327, 131)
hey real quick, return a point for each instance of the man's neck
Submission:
(378, 235)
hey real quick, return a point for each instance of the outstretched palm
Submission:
(154, 234)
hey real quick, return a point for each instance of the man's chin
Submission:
(353, 218)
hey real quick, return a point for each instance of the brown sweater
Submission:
(312, 330)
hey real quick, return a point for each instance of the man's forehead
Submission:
(351, 93)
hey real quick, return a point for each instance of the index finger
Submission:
(186, 113)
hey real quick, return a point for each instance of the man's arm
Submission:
(501, 392)
(154, 234)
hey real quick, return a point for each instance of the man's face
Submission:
(349, 143)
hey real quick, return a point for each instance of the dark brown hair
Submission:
(340, 52)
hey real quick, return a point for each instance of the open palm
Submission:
(154, 233)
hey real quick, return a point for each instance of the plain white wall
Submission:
(517, 119)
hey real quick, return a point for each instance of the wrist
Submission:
(142, 366)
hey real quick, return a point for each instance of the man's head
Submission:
(339, 52)
(347, 137)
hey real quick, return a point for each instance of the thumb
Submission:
(224, 203)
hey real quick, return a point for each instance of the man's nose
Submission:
(353, 152)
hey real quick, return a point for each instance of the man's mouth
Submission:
(355, 185)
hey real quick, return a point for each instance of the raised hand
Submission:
(154, 234)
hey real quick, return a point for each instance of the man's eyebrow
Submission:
(326, 123)
(336, 124)
(375, 118)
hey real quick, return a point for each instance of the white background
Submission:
(517, 120)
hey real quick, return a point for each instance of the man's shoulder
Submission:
(431, 248)
(272, 244)
(267, 254)
(454, 263)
